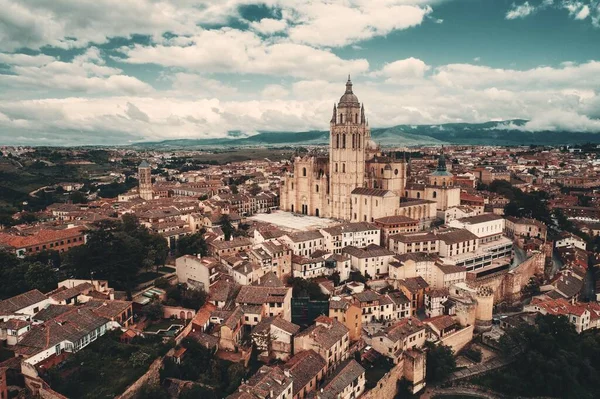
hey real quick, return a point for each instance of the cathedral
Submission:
(357, 182)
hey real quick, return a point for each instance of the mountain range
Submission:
(488, 133)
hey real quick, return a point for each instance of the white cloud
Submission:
(86, 73)
(269, 26)
(520, 11)
(583, 13)
(199, 85)
(405, 71)
(231, 50)
(274, 91)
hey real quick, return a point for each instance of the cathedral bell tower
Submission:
(349, 135)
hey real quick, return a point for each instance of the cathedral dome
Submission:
(349, 99)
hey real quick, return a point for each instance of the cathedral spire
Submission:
(362, 114)
(349, 85)
(442, 162)
(333, 117)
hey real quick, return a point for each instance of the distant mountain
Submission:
(488, 133)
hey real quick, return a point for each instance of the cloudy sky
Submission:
(123, 71)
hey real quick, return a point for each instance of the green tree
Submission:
(194, 244)
(41, 276)
(254, 189)
(226, 226)
(77, 197)
(440, 362)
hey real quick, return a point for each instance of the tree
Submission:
(77, 197)
(41, 276)
(440, 362)
(226, 226)
(116, 251)
(154, 310)
(194, 244)
(254, 189)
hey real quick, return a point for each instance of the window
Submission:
(304, 172)
(435, 194)
(336, 167)
(396, 172)
(317, 188)
(343, 168)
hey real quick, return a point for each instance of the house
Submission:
(273, 300)
(308, 369)
(414, 242)
(347, 382)
(274, 337)
(196, 273)
(328, 337)
(44, 239)
(583, 315)
(267, 382)
(229, 327)
(310, 267)
(394, 340)
(304, 243)
(434, 301)
(414, 288)
(525, 228)
(392, 225)
(69, 332)
(348, 313)
(359, 235)
(23, 305)
(569, 239)
(12, 330)
(372, 261)
(218, 248)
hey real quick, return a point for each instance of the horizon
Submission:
(106, 74)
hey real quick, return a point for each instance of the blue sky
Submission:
(116, 72)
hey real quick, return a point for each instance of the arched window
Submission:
(406, 194)
(365, 201)
(353, 140)
(320, 172)
(336, 168)
(376, 202)
(317, 212)
(355, 118)
(304, 172)
(292, 185)
(341, 118)
(317, 188)
(337, 141)
(343, 168)
(382, 171)
(418, 195)
(396, 172)
(343, 141)
(292, 208)
(435, 194)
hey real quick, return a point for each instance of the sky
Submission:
(126, 71)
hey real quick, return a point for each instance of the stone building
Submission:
(145, 181)
(356, 181)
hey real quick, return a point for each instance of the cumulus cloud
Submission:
(232, 50)
(410, 70)
(86, 73)
(520, 11)
(269, 26)
(577, 9)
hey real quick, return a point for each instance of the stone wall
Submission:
(387, 387)
(459, 339)
(507, 285)
(151, 377)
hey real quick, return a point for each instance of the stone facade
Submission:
(145, 181)
(326, 186)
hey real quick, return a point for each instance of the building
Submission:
(525, 228)
(145, 181)
(267, 382)
(328, 337)
(392, 225)
(394, 340)
(195, 272)
(355, 234)
(308, 369)
(347, 382)
(44, 239)
(356, 181)
(371, 261)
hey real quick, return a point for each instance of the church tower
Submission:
(349, 137)
(145, 181)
